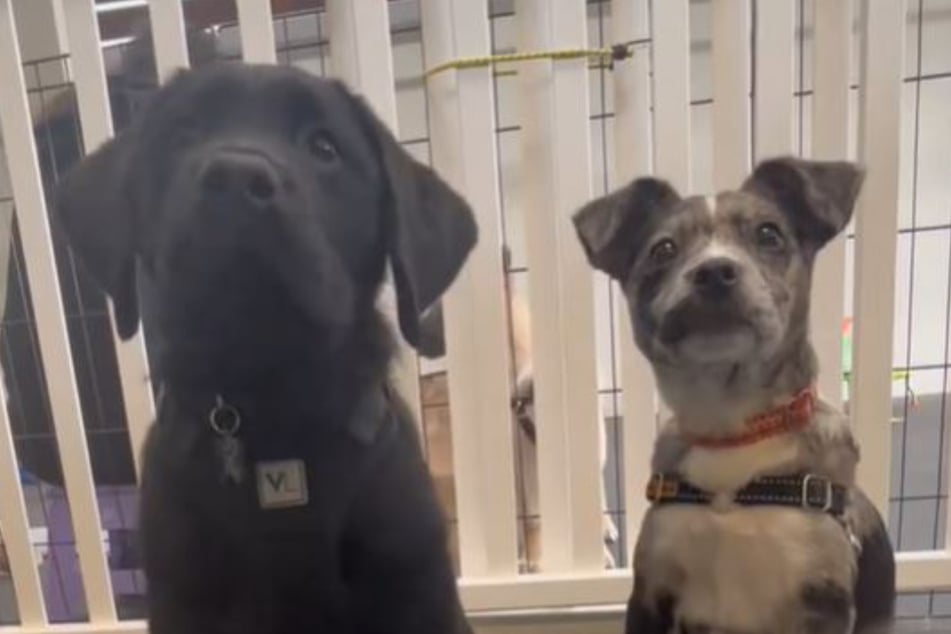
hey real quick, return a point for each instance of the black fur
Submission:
(255, 209)
(875, 583)
(644, 617)
(828, 608)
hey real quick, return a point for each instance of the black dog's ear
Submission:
(817, 196)
(431, 229)
(432, 336)
(432, 339)
(612, 228)
(99, 222)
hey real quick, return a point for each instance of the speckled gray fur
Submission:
(723, 351)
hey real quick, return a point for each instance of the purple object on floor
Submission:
(62, 584)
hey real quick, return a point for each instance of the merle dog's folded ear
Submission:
(613, 228)
(431, 229)
(817, 196)
(99, 222)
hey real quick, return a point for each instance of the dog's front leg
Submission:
(647, 616)
(826, 609)
(169, 615)
(395, 554)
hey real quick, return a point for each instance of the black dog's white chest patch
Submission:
(282, 484)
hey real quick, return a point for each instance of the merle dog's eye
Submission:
(321, 146)
(770, 237)
(663, 251)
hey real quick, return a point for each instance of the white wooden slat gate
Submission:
(652, 135)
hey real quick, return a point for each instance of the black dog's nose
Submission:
(245, 175)
(715, 277)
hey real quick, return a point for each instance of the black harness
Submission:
(806, 491)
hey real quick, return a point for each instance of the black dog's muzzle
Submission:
(242, 177)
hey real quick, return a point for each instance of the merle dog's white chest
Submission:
(740, 569)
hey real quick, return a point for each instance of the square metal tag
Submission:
(282, 484)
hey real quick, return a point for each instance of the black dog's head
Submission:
(722, 280)
(262, 204)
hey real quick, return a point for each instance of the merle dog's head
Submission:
(722, 280)
(262, 205)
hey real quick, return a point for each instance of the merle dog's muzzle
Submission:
(712, 301)
(714, 279)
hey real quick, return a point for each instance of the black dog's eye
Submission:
(184, 133)
(321, 146)
(770, 237)
(663, 252)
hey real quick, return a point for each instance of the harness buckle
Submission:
(825, 484)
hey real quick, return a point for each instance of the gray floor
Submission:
(934, 626)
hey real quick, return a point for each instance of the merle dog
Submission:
(757, 525)
(283, 489)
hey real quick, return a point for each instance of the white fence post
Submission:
(463, 142)
(95, 116)
(731, 93)
(830, 141)
(50, 322)
(256, 26)
(876, 227)
(632, 147)
(671, 78)
(556, 171)
(16, 532)
(774, 61)
(671, 82)
(168, 37)
(361, 55)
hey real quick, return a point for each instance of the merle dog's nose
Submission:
(715, 277)
(242, 175)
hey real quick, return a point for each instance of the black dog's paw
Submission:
(646, 616)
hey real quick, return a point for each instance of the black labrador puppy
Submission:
(283, 488)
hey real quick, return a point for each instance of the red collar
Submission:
(794, 415)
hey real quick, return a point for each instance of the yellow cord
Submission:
(615, 53)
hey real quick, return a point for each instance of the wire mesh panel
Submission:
(54, 341)
(16, 550)
(919, 438)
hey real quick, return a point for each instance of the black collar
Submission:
(806, 491)
(364, 419)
